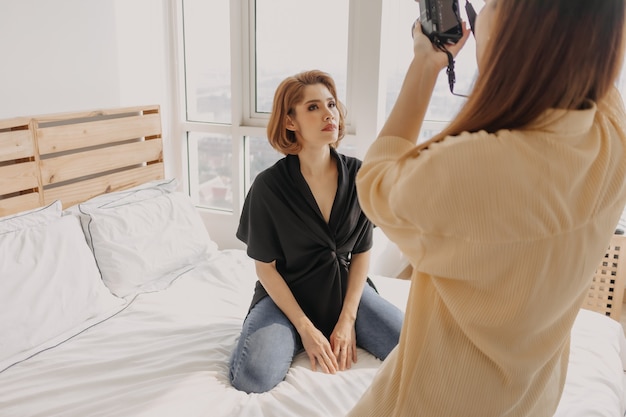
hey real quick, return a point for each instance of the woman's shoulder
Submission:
(271, 173)
(467, 143)
(349, 162)
(612, 104)
(473, 156)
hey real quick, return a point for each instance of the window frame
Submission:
(364, 100)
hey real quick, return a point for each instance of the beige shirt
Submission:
(504, 232)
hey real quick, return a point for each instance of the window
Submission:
(261, 155)
(303, 35)
(213, 161)
(206, 28)
(226, 72)
(235, 53)
(226, 149)
(397, 50)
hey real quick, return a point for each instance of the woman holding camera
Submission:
(505, 214)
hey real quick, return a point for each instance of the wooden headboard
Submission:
(606, 293)
(75, 156)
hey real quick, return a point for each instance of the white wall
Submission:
(144, 67)
(73, 55)
(69, 55)
(57, 56)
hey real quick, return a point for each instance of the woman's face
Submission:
(484, 26)
(316, 118)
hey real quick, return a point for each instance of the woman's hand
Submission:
(343, 343)
(424, 49)
(318, 349)
(407, 114)
(315, 343)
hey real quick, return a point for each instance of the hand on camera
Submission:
(424, 49)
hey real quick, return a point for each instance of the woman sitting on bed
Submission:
(310, 241)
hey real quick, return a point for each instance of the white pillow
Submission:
(29, 218)
(143, 244)
(50, 289)
(143, 191)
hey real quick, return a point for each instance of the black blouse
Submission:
(281, 221)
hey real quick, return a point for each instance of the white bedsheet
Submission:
(594, 385)
(167, 354)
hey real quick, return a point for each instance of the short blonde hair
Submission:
(290, 93)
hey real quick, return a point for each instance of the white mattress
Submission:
(166, 354)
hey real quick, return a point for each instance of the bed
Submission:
(115, 301)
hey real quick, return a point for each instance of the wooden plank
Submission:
(14, 123)
(68, 167)
(78, 192)
(18, 177)
(16, 144)
(64, 117)
(22, 168)
(618, 245)
(19, 203)
(32, 127)
(80, 135)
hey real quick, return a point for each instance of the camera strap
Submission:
(450, 68)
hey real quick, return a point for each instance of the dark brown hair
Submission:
(290, 93)
(542, 54)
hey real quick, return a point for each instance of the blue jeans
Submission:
(269, 342)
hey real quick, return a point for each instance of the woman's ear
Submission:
(289, 124)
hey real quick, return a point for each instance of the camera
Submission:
(441, 20)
